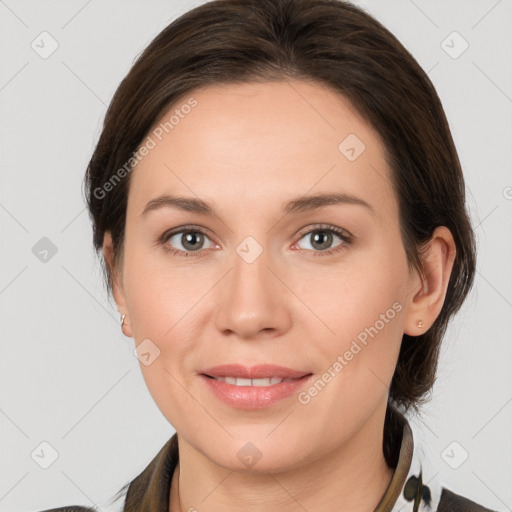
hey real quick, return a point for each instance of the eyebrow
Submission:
(299, 204)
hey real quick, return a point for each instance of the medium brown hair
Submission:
(336, 44)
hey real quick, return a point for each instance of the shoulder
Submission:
(81, 508)
(452, 502)
(102, 506)
(71, 508)
(110, 504)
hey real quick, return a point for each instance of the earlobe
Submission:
(124, 327)
(117, 285)
(428, 291)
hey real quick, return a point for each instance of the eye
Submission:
(190, 240)
(323, 237)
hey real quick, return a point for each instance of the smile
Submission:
(238, 381)
(258, 393)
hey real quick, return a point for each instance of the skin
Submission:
(248, 149)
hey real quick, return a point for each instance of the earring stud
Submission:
(122, 320)
(419, 323)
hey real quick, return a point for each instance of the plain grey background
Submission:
(68, 375)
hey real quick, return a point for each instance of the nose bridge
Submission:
(249, 280)
(249, 302)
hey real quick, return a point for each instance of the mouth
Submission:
(240, 381)
(239, 374)
(253, 387)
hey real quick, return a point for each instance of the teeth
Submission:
(236, 381)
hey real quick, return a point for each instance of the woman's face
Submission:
(259, 285)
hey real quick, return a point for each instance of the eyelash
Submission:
(342, 234)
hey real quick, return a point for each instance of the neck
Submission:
(352, 478)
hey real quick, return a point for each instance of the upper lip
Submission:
(260, 371)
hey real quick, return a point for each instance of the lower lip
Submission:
(254, 397)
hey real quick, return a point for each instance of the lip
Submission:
(260, 371)
(254, 397)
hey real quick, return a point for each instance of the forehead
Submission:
(262, 142)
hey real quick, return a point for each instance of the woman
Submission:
(308, 156)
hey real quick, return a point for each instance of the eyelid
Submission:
(182, 229)
(346, 237)
(327, 227)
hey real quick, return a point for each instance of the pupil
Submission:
(326, 235)
(190, 238)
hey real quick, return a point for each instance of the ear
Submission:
(117, 283)
(426, 293)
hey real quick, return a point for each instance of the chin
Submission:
(261, 456)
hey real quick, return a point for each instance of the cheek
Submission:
(363, 305)
(162, 314)
(355, 294)
(164, 302)
(159, 295)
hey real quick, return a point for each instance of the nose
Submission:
(253, 302)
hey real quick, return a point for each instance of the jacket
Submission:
(413, 487)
